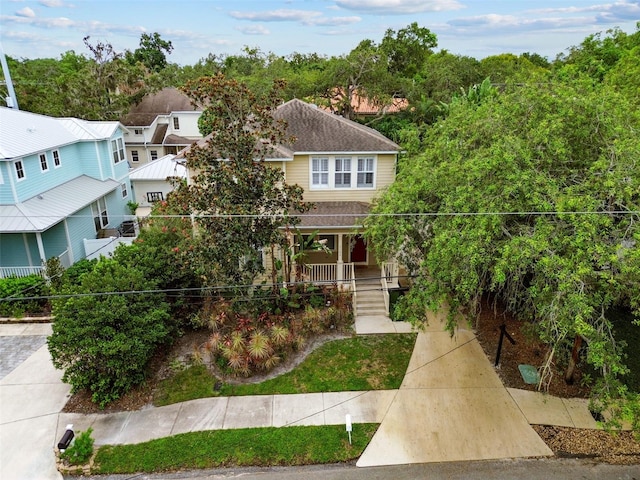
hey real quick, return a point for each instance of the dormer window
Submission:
(44, 166)
(19, 170)
(176, 123)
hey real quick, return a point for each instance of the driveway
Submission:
(31, 396)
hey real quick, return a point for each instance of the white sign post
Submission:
(349, 426)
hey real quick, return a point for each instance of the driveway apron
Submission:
(451, 406)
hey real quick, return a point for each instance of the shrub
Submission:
(21, 287)
(104, 342)
(80, 450)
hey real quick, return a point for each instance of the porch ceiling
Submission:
(334, 215)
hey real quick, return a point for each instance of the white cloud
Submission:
(335, 21)
(254, 30)
(282, 15)
(399, 7)
(51, 3)
(26, 12)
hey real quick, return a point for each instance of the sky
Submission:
(477, 28)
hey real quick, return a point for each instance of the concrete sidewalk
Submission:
(451, 406)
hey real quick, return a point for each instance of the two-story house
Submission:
(161, 124)
(62, 180)
(341, 165)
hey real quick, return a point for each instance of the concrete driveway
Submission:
(31, 395)
(451, 406)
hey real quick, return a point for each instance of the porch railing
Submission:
(389, 278)
(328, 273)
(6, 272)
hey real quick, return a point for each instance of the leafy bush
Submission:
(104, 342)
(21, 287)
(80, 450)
(73, 274)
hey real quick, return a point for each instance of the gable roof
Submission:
(162, 102)
(24, 133)
(316, 130)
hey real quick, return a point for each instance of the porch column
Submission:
(43, 257)
(340, 262)
(69, 247)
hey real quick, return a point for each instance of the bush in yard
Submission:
(21, 287)
(104, 342)
(80, 450)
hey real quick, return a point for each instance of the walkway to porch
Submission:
(370, 310)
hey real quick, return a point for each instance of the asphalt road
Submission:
(520, 469)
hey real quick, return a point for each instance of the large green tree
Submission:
(531, 196)
(240, 203)
(104, 333)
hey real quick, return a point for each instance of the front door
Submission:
(358, 249)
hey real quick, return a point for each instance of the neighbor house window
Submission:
(134, 156)
(19, 169)
(154, 197)
(176, 123)
(123, 189)
(320, 171)
(100, 216)
(343, 172)
(365, 171)
(56, 158)
(117, 146)
(44, 166)
(137, 131)
(154, 155)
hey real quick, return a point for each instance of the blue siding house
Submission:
(62, 180)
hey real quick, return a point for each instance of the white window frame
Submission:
(154, 155)
(100, 214)
(343, 171)
(134, 156)
(360, 167)
(56, 158)
(137, 131)
(44, 162)
(366, 166)
(176, 123)
(320, 172)
(153, 197)
(117, 150)
(124, 190)
(18, 168)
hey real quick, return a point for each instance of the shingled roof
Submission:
(318, 131)
(162, 102)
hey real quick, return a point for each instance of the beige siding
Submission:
(297, 172)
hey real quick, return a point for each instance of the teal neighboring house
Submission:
(63, 181)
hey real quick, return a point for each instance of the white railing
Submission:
(351, 274)
(389, 278)
(328, 273)
(6, 272)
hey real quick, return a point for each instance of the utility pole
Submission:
(12, 100)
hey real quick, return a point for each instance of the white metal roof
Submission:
(159, 169)
(48, 208)
(24, 133)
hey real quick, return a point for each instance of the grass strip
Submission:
(242, 447)
(367, 362)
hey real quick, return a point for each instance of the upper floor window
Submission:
(123, 189)
(56, 158)
(134, 156)
(19, 170)
(44, 166)
(339, 172)
(176, 123)
(365, 172)
(117, 147)
(100, 216)
(137, 131)
(154, 155)
(343, 172)
(320, 171)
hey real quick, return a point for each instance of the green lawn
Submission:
(243, 447)
(369, 362)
